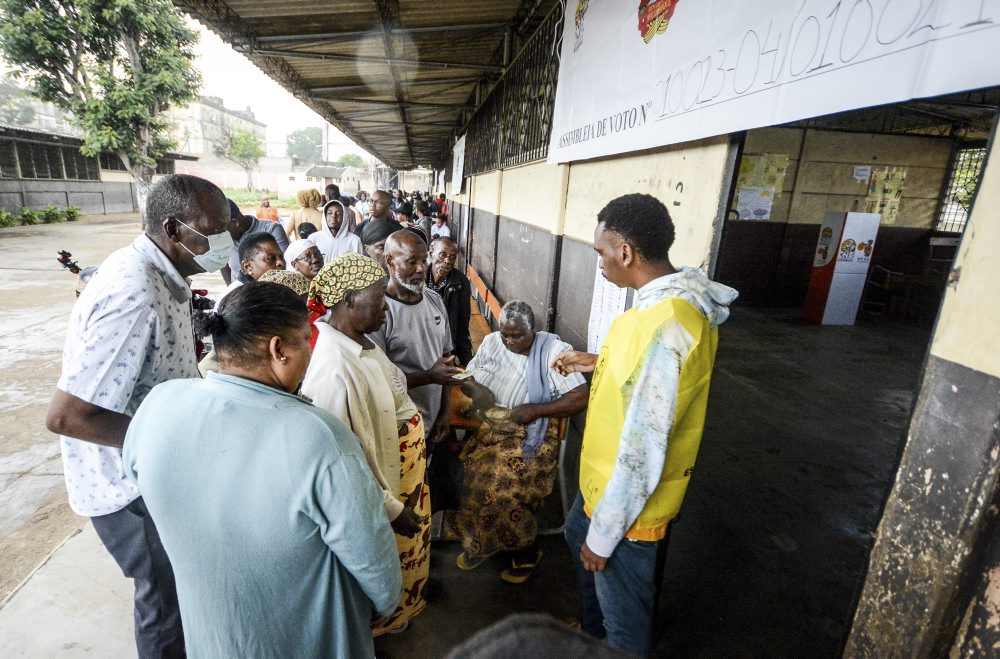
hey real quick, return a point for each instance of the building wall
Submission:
(933, 586)
(527, 231)
(770, 261)
(92, 197)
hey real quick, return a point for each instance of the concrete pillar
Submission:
(933, 583)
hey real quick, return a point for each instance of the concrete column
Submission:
(933, 583)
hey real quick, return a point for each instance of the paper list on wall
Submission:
(760, 179)
(885, 191)
(755, 203)
(608, 303)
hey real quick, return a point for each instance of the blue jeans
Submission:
(617, 602)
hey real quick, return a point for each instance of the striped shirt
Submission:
(505, 373)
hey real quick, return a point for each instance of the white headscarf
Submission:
(295, 250)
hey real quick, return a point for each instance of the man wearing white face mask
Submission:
(129, 331)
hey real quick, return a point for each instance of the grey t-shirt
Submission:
(274, 228)
(415, 336)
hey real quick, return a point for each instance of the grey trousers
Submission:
(131, 538)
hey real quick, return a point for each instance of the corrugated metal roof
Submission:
(399, 77)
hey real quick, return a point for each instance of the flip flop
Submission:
(467, 563)
(518, 572)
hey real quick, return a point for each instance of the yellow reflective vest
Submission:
(623, 351)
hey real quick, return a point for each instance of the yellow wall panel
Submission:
(689, 174)
(968, 328)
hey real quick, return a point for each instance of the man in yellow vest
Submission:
(644, 423)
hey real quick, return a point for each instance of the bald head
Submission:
(406, 260)
(402, 242)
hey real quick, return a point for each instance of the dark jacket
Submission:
(456, 293)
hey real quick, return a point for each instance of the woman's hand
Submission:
(574, 361)
(524, 414)
(407, 523)
(439, 431)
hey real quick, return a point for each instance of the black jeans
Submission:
(131, 538)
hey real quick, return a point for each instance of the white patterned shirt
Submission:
(505, 373)
(129, 331)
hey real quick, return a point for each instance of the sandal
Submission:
(518, 572)
(467, 563)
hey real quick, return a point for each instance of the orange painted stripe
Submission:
(492, 303)
(477, 282)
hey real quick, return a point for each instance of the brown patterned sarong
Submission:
(502, 491)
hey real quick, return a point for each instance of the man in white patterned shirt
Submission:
(129, 331)
(644, 423)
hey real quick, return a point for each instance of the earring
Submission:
(282, 359)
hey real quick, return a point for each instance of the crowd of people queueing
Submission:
(274, 497)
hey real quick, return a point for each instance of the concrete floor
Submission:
(799, 453)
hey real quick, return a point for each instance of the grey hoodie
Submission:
(693, 285)
(333, 246)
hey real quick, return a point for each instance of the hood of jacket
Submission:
(693, 285)
(325, 229)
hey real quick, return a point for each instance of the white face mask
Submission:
(220, 246)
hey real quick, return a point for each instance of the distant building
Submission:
(199, 127)
(38, 168)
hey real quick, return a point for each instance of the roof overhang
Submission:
(399, 77)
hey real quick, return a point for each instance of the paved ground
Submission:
(36, 295)
(800, 449)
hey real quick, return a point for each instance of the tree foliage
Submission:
(351, 160)
(241, 147)
(306, 143)
(14, 106)
(115, 65)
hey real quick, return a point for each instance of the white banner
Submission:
(636, 74)
(457, 165)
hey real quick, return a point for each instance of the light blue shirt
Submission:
(271, 518)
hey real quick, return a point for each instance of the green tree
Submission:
(306, 143)
(351, 160)
(241, 147)
(14, 106)
(115, 65)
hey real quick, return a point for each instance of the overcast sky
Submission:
(231, 76)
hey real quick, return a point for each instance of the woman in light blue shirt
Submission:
(265, 505)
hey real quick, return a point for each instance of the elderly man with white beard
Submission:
(416, 335)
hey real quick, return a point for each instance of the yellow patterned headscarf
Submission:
(348, 272)
(292, 279)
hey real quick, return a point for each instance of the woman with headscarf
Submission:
(263, 501)
(334, 237)
(351, 377)
(289, 279)
(308, 200)
(510, 461)
(304, 257)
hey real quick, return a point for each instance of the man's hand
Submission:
(574, 361)
(439, 432)
(407, 524)
(591, 561)
(443, 369)
(523, 414)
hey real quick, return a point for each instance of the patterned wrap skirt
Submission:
(415, 552)
(502, 490)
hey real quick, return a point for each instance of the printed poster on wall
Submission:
(636, 74)
(457, 166)
(608, 303)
